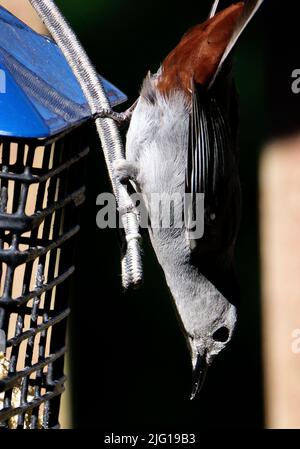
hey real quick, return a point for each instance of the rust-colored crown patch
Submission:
(199, 52)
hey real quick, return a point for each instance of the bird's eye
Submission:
(221, 334)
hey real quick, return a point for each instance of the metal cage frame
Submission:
(41, 187)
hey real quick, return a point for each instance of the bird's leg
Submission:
(122, 118)
(125, 170)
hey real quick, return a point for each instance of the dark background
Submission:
(130, 366)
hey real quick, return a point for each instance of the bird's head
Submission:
(207, 340)
(208, 320)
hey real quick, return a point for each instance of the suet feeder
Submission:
(44, 134)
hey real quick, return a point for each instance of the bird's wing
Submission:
(207, 145)
(250, 8)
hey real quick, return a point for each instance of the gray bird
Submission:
(182, 141)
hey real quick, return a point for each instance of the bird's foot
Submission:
(119, 117)
(122, 118)
(125, 170)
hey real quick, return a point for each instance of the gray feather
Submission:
(207, 145)
(157, 144)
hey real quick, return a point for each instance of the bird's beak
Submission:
(199, 374)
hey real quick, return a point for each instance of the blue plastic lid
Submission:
(39, 95)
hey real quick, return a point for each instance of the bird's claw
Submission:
(122, 118)
(125, 170)
(119, 117)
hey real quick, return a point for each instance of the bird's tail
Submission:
(214, 9)
(249, 10)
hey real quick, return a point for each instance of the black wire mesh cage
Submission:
(45, 125)
(41, 187)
